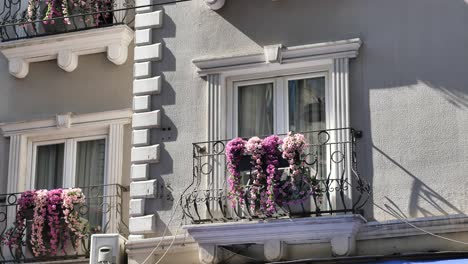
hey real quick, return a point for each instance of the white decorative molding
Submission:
(67, 60)
(215, 4)
(143, 189)
(301, 230)
(114, 162)
(137, 207)
(146, 119)
(145, 154)
(67, 47)
(289, 57)
(273, 53)
(143, 36)
(149, 20)
(117, 53)
(142, 224)
(141, 103)
(151, 52)
(208, 253)
(145, 3)
(18, 67)
(274, 250)
(64, 121)
(139, 172)
(77, 123)
(140, 137)
(142, 69)
(147, 86)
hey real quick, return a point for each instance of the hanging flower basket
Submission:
(278, 175)
(47, 221)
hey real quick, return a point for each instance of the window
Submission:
(70, 151)
(278, 105)
(85, 157)
(69, 162)
(301, 88)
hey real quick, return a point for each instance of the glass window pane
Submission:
(49, 166)
(306, 104)
(255, 114)
(90, 157)
(90, 165)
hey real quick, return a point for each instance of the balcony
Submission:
(325, 204)
(39, 30)
(100, 212)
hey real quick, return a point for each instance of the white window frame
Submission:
(331, 58)
(280, 97)
(22, 135)
(69, 166)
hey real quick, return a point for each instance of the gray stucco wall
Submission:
(96, 85)
(409, 92)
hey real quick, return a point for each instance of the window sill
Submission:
(67, 47)
(339, 230)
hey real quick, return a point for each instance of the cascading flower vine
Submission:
(234, 152)
(298, 186)
(272, 153)
(55, 212)
(53, 216)
(72, 199)
(257, 198)
(40, 214)
(268, 189)
(13, 236)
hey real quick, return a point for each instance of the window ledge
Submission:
(340, 231)
(67, 47)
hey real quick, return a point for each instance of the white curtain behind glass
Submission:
(90, 162)
(49, 166)
(306, 104)
(255, 110)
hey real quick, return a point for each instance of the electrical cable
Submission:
(419, 228)
(165, 230)
(172, 242)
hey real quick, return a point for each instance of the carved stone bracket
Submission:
(215, 4)
(67, 47)
(64, 120)
(339, 231)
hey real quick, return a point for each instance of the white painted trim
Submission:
(340, 231)
(67, 47)
(215, 4)
(77, 122)
(231, 65)
(329, 59)
(25, 136)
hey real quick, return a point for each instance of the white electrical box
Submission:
(107, 249)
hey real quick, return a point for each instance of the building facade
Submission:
(137, 103)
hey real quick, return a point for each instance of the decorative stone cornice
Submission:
(340, 231)
(215, 4)
(279, 55)
(68, 120)
(67, 47)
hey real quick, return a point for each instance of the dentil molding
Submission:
(67, 47)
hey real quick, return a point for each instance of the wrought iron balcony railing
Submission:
(101, 213)
(20, 19)
(330, 161)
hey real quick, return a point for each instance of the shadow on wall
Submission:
(420, 192)
(167, 132)
(405, 43)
